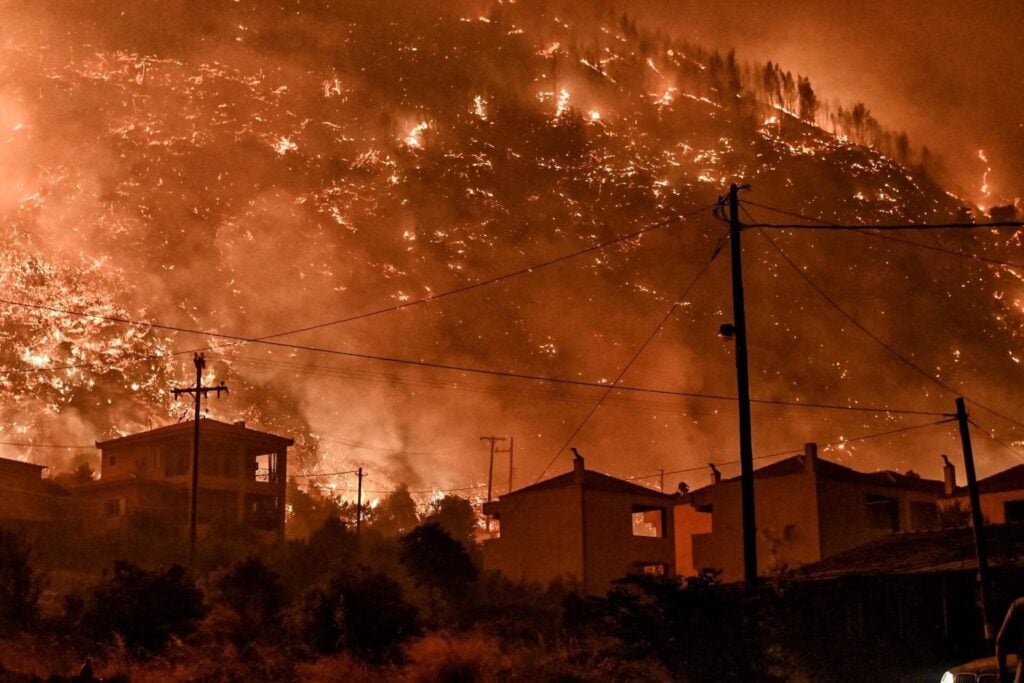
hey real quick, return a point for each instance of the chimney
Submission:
(811, 457)
(240, 423)
(948, 475)
(716, 476)
(578, 467)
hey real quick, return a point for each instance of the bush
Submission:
(20, 585)
(436, 560)
(146, 609)
(257, 598)
(361, 612)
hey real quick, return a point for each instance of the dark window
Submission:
(111, 460)
(1014, 510)
(262, 512)
(883, 513)
(649, 521)
(112, 507)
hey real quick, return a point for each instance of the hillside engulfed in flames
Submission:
(254, 169)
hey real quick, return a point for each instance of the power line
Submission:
(865, 233)
(993, 437)
(893, 226)
(678, 301)
(360, 316)
(29, 444)
(496, 279)
(888, 347)
(797, 451)
(446, 366)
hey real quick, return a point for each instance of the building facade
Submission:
(1001, 495)
(806, 509)
(242, 476)
(583, 526)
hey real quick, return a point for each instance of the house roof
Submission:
(593, 481)
(836, 472)
(1008, 480)
(215, 427)
(944, 550)
(10, 462)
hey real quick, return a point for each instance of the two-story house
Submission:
(806, 509)
(582, 525)
(242, 475)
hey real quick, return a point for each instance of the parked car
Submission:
(979, 671)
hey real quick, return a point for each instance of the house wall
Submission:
(688, 522)
(540, 537)
(992, 504)
(231, 486)
(845, 516)
(612, 551)
(786, 514)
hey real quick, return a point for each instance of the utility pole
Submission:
(984, 585)
(743, 391)
(490, 470)
(511, 454)
(359, 501)
(199, 391)
(662, 471)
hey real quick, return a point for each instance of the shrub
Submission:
(436, 560)
(361, 612)
(20, 585)
(146, 609)
(256, 596)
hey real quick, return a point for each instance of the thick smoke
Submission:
(257, 169)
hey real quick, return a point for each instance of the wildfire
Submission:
(414, 139)
(984, 176)
(562, 106)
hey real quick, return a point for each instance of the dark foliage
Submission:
(20, 585)
(361, 612)
(146, 609)
(256, 596)
(436, 560)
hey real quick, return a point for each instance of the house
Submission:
(242, 476)
(582, 525)
(1001, 495)
(26, 501)
(806, 509)
(916, 591)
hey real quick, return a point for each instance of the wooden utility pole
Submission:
(199, 391)
(743, 391)
(977, 521)
(511, 454)
(359, 501)
(490, 470)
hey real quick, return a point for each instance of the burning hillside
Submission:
(254, 170)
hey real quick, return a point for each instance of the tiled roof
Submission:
(922, 552)
(837, 472)
(594, 481)
(1007, 480)
(207, 425)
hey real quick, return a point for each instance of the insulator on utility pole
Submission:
(198, 391)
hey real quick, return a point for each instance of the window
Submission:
(266, 467)
(653, 568)
(1014, 511)
(111, 460)
(883, 513)
(648, 521)
(112, 508)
